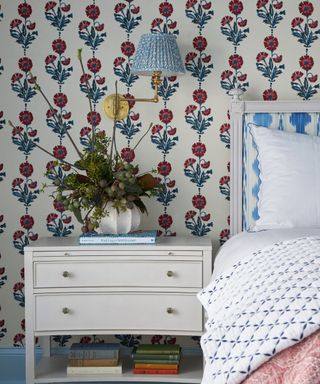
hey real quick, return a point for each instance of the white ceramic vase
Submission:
(121, 222)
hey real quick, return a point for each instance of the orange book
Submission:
(155, 366)
(149, 371)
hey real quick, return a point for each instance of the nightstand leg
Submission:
(30, 357)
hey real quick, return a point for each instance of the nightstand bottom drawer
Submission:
(118, 311)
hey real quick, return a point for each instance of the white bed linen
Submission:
(244, 243)
(263, 298)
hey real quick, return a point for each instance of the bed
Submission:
(263, 302)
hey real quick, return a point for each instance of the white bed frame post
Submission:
(236, 117)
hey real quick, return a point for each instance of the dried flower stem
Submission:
(45, 150)
(113, 141)
(151, 124)
(89, 92)
(57, 116)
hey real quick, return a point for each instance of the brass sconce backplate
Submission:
(116, 107)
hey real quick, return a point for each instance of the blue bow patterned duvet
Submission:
(260, 306)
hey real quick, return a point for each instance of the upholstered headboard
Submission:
(295, 116)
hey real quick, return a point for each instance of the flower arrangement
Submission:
(99, 176)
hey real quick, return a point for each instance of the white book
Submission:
(71, 370)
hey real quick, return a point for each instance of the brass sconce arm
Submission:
(116, 107)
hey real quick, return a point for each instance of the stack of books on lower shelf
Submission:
(157, 359)
(94, 358)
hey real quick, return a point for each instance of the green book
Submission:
(156, 357)
(158, 349)
(153, 361)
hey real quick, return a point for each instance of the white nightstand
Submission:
(74, 289)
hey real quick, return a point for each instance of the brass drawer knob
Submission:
(169, 310)
(169, 273)
(65, 274)
(65, 310)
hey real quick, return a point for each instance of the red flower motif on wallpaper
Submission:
(166, 9)
(296, 22)
(306, 8)
(92, 12)
(271, 43)
(51, 217)
(200, 43)
(15, 23)
(296, 75)
(306, 62)
(165, 221)
(164, 168)
(94, 65)
(156, 22)
(165, 115)
(26, 221)
(156, 129)
(50, 5)
(235, 61)
(200, 96)
(127, 48)
(25, 64)
(16, 182)
(58, 206)
(190, 215)
(26, 169)
(60, 99)
(26, 117)
(199, 201)
(119, 7)
(236, 7)
(118, 61)
(198, 149)
(94, 118)
(128, 154)
(270, 94)
(60, 152)
(24, 10)
(262, 3)
(18, 235)
(189, 162)
(59, 46)
(191, 3)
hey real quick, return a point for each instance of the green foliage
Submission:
(97, 178)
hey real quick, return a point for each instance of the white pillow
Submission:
(289, 194)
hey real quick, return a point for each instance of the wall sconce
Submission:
(157, 54)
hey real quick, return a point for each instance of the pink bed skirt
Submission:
(299, 364)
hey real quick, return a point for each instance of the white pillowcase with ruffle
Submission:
(289, 194)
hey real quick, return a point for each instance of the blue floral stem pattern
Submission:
(198, 116)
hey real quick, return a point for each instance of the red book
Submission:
(150, 371)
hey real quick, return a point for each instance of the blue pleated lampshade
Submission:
(157, 52)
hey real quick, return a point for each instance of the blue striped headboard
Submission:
(300, 122)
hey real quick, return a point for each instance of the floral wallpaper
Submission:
(265, 47)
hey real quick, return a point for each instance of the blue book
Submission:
(138, 237)
(94, 351)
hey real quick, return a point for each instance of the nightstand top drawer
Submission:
(118, 312)
(137, 273)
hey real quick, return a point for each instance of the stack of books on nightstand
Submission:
(137, 237)
(157, 359)
(94, 358)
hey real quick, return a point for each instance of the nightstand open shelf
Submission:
(145, 289)
(53, 370)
